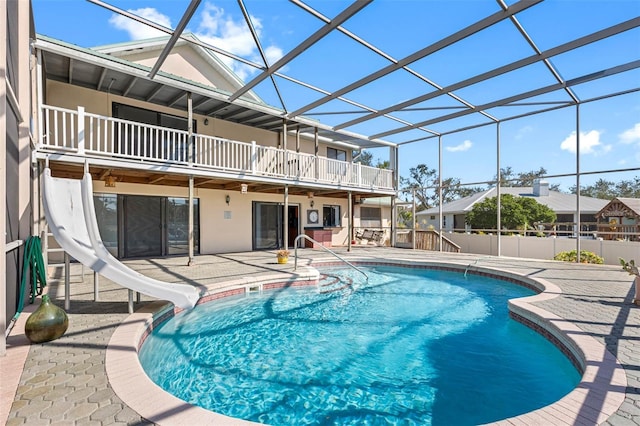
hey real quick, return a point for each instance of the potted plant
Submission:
(283, 256)
(632, 269)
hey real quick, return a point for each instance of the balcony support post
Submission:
(254, 158)
(315, 139)
(284, 148)
(80, 145)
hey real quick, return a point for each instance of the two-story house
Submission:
(257, 179)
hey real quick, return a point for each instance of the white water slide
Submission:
(70, 213)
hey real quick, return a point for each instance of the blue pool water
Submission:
(408, 347)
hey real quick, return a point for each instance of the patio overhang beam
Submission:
(447, 41)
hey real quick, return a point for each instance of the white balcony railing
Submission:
(99, 136)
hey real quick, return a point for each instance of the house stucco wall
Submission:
(231, 232)
(69, 96)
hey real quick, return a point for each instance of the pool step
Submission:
(331, 283)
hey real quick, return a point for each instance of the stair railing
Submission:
(295, 262)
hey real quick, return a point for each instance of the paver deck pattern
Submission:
(64, 382)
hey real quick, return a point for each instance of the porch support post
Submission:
(190, 225)
(498, 192)
(350, 220)
(413, 219)
(393, 221)
(577, 212)
(440, 193)
(285, 220)
(190, 147)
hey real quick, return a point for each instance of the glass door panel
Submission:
(267, 226)
(142, 226)
(178, 226)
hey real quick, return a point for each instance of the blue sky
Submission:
(609, 129)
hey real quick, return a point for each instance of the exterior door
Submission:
(267, 226)
(294, 224)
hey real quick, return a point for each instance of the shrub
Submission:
(585, 257)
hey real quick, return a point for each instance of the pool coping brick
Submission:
(587, 308)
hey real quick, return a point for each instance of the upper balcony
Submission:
(77, 135)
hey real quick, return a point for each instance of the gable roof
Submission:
(621, 207)
(134, 50)
(559, 202)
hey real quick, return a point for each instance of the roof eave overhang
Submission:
(76, 53)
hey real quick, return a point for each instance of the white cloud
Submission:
(464, 146)
(631, 135)
(589, 143)
(220, 30)
(522, 132)
(138, 31)
(215, 27)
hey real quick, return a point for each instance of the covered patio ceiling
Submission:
(423, 97)
(62, 169)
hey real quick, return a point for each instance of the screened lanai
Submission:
(427, 82)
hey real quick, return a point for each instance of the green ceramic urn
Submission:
(46, 323)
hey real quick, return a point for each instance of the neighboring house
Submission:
(620, 219)
(564, 205)
(257, 178)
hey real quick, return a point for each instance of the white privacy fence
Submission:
(543, 248)
(96, 135)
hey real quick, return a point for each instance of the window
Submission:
(371, 213)
(147, 142)
(331, 216)
(336, 154)
(371, 217)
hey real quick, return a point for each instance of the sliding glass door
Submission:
(146, 226)
(268, 225)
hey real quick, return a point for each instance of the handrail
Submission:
(295, 262)
(77, 130)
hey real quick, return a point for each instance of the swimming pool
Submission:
(410, 346)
